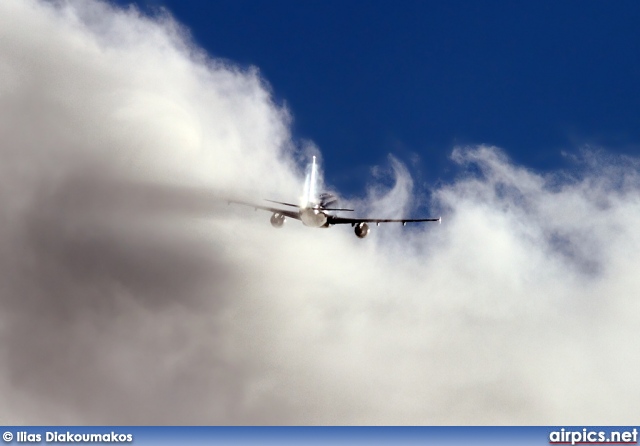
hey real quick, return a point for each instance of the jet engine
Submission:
(277, 220)
(362, 230)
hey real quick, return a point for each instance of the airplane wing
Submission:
(286, 213)
(335, 220)
(282, 202)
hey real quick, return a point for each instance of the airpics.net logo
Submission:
(588, 436)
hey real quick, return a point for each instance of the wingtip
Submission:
(440, 220)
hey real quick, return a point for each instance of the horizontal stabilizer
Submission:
(297, 206)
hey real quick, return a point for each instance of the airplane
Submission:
(315, 209)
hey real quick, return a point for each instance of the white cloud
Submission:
(519, 308)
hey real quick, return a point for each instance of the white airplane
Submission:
(315, 209)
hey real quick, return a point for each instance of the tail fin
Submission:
(311, 186)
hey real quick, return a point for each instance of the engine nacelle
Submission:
(362, 230)
(277, 220)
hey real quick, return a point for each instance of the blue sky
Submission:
(365, 79)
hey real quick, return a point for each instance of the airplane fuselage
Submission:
(313, 217)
